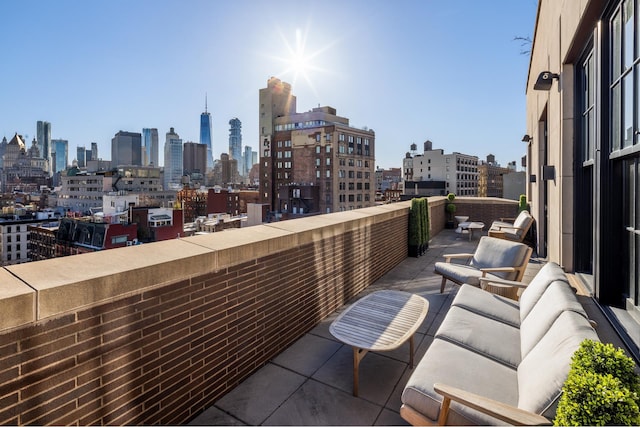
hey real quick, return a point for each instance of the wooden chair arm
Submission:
(500, 227)
(449, 257)
(502, 411)
(512, 220)
(497, 269)
(503, 282)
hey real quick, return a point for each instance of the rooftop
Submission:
(310, 383)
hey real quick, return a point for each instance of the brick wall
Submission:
(164, 353)
(154, 334)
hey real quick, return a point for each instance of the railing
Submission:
(154, 334)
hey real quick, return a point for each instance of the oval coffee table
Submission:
(381, 321)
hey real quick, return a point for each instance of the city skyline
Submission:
(450, 72)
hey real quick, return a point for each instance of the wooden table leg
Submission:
(358, 355)
(411, 349)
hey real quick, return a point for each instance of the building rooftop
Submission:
(310, 383)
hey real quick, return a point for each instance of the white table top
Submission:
(471, 225)
(380, 321)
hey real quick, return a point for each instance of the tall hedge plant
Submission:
(418, 226)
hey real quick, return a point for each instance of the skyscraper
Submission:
(172, 160)
(81, 156)
(150, 147)
(94, 151)
(61, 158)
(247, 159)
(205, 134)
(44, 141)
(125, 149)
(235, 143)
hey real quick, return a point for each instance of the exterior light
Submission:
(545, 80)
(527, 138)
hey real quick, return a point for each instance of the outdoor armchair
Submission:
(493, 258)
(515, 230)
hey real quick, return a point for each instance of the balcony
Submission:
(229, 328)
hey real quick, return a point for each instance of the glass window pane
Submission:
(627, 124)
(616, 46)
(615, 118)
(589, 135)
(628, 34)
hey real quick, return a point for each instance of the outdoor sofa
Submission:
(507, 359)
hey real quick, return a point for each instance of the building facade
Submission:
(583, 148)
(150, 147)
(126, 149)
(173, 162)
(458, 171)
(490, 178)
(81, 157)
(312, 162)
(194, 158)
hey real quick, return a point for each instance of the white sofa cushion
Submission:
(544, 370)
(548, 273)
(496, 340)
(451, 364)
(496, 307)
(558, 298)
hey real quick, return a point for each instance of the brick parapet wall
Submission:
(155, 334)
(163, 353)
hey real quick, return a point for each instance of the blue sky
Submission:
(448, 70)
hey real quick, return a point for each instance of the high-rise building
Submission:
(235, 143)
(150, 147)
(44, 140)
(194, 158)
(247, 159)
(60, 154)
(172, 160)
(81, 157)
(94, 151)
(312, 162)
(205, 134)
(125, 149)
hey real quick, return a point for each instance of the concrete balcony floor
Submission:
(310, 383)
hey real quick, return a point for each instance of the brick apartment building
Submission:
(312, 162)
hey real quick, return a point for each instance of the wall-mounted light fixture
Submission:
(527, 139)
(545, 80)
(548, 173)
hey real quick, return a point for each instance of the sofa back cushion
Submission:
(492, 252)
(558, 298)
(543, 371)
(538, 285)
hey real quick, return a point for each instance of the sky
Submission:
(448, 71)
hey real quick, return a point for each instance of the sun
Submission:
(298, 60)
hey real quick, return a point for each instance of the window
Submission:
(328, 161)
(317, 149)
(318, 174)
(328, 173)
(327, 148)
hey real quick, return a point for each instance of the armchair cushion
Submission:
(461, 273)
(493, 252)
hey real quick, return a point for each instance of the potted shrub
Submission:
(522, 203)
(601, 388)
(450, 208)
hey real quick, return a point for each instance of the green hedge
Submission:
(601, 388)
(419, 223)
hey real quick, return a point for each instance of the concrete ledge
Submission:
(68, 283)
(17, 301)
